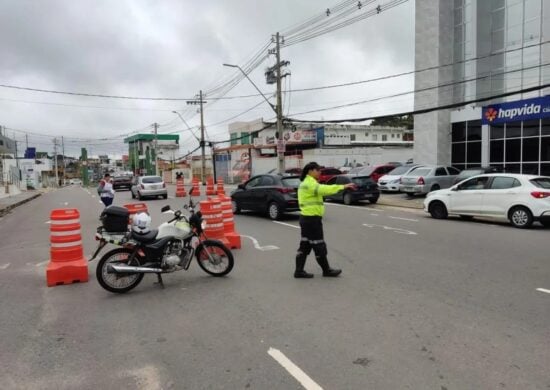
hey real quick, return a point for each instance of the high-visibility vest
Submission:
(310, 196)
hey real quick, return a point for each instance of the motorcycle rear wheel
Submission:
(117, 283)
(215, 258)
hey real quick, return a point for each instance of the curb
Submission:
(7, 209)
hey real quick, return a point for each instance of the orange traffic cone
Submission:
(210, 190)
(135, 208)
(232, 236)
(196, 188)
(221, 190)
(67, 262)
(211, 210)
(180, 189)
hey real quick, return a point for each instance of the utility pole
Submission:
(280, 145)
(55, 162)
(200, 102)
(63, 152)
(156, 125)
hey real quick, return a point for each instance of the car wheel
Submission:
(274, 211)
(139, 196)
(520, 217)
(435, 187)
(348, 199)
(373, 200)
(438, 210)
(235, 207)
(467, 217)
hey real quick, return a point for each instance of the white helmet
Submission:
(141, 223)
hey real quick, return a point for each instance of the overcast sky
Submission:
(173, 49)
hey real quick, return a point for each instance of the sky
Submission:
(172, 49)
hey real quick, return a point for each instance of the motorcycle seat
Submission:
(145, 238)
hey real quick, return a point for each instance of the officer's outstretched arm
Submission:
(326, 189)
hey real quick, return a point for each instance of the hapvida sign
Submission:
(521, 110)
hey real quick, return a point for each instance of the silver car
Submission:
(424, 179)
(148, 186)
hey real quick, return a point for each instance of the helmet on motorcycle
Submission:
(141, 223)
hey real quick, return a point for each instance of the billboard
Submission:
(520, 110)
(289, 136)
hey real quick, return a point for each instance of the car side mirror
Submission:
(241, 186)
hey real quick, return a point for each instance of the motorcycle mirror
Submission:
(164, 209)
(185, 206)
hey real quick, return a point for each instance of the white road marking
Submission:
(404, 219)
(353, 207)
(42, 263)
(543, 290)
(258, 246)
(395, 230)
(375, 215)
(48, 222)
(4, 266)
(293, 370)
(287, 224)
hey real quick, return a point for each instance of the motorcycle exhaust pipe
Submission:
(126, 269)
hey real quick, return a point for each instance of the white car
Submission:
(521, 199)
(390, 181)
(75, 182)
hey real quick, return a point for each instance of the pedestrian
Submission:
(310, 200)
(106, 190)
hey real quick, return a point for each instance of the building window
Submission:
(392, 135)
(245, 140)
(233, 137)
(384, 137)
(352, 137)
(375, 137)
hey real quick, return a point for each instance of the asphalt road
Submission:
(421, 304)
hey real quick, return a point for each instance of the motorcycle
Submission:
(167, 249)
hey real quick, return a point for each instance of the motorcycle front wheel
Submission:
(117, 283)
(215, 258)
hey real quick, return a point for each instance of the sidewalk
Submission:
(11, 201)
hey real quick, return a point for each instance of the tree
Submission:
(406, 121)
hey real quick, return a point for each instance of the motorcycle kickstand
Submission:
(159, 281)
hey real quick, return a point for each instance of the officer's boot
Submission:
(327, 271)
(300, 263)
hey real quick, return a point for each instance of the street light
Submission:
(188, 127)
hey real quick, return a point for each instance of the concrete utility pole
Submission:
(280, 144)
(55, 162)
(156, 125)
(200, 102)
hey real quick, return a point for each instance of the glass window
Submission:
(498, 19)
(530, 169)
(531, 128)
(151, 179)
(497, 4)
(497, 131)
(545, 127)
(342, 179)
(513, 150)
(541, 183)
(267, 181)
(532, 9)
(474, 131)
(453, 171)
(531, 33)
(477, 183)
(458, 132)
(291, 182)
(254, 182)
(545, 169)
(513, 129)
(513, 35)
(497, 40)
(531, 149)
(496, 151)
(545, 149)
(473, 152)
(440, 172)
(512, 168)
(504, 182)
(458, 153)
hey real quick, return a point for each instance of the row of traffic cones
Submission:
(210, 188)
(220, 224)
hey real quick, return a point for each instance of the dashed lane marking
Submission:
(293, 370)
(287, 224)
(258, 246)
(404, 219)
(4, 266)
(42, 263)
(543, 290)
(392, 229)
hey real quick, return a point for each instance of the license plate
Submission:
(407, 189)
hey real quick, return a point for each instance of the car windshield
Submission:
(542, 182)
(366, 171)
(361, 181)
(419, 172)
(152, 179)
(293, 182)
(399, 170)
(123, 177)
(470, 172)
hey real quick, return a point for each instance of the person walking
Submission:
(106, 190)
(312, 209)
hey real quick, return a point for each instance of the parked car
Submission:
(424, 179)
(122, 181)
(76, 182)
(521, 199)
(375, 172)
(366, 189)
(466, 173)
(270, 194)
(327, 173)
(391, 181)
(148, 186)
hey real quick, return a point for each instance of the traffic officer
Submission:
(310, 199)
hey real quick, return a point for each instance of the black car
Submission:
(469, 172)
(122, 181)
(270, 194)
(366, 189)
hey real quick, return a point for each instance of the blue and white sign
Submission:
(521, 110)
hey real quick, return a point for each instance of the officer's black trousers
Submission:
(311, 238)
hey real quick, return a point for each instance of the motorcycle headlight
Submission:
(203, 225)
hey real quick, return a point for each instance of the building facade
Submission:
(470, 50)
